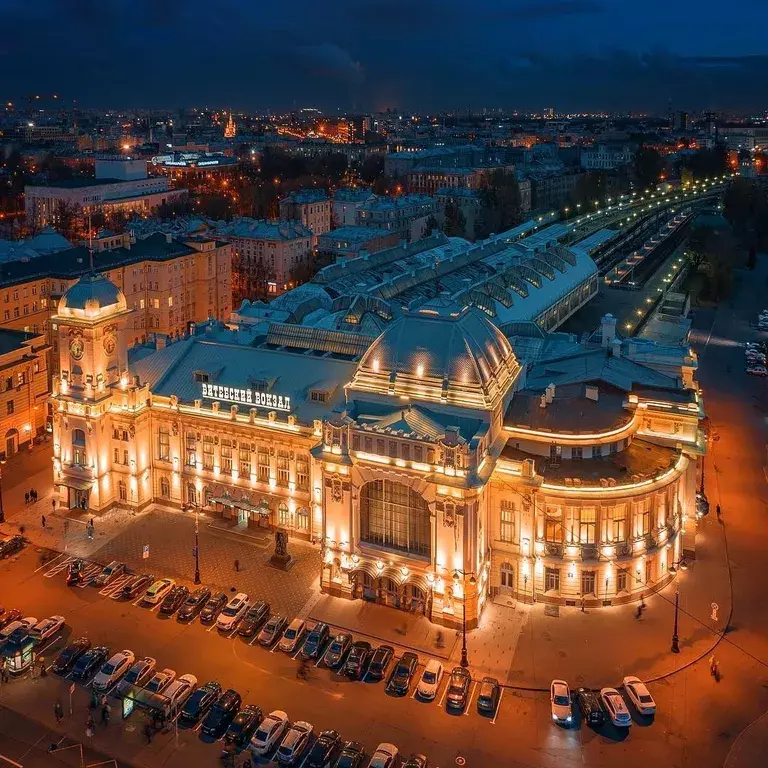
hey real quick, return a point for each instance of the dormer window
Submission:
(318, 396)
(202, 377)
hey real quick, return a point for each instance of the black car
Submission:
(315, 642)
(590, 707)
(380, 660)
(257, 614)
(89, 662)
(69, 655)
(173, 600)
(75, 572)
(199, 702)
(213, 608)
(324, 750)
(400, 679)
(137, 585)
(488, 697)
(11, 546)
(243, 726)
(221, 714)
(357, 658)
(416, 761)
(338, 648)
(194, 604)
(458, 688)
(352, 756)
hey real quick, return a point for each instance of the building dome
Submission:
(444, 352)
(91, 296)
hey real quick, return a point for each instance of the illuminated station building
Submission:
(437, 464)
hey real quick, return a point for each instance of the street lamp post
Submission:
(464, 659)
(2, 513)
(197, 548)
(675, 639)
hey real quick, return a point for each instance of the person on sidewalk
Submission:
(711, 662)
(148, 732)
(90, 726)
(237, 566)
(26, 497)
(582, 605)
(106, 711)
(719, 513)
(53, 506)
(716, 671)
(42, 521)
(58, 710)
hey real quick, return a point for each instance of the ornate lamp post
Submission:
(197, 547)
(472, 582)
(675, 639)
(2, 513)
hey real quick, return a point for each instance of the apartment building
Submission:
(312, 207)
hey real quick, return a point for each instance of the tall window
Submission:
(245, 460)
(226, 457)
(620, 523)
(191, 494)
(587, 525)
(643, 518)
(302, 519)
(208, 454)
(79, 456)
(122, 490)
(191, 444)
(165, 488)
(302, 473)
(283, 515)
(552, 579)
(588, 581)
(164, 444)
(263, 465)
(507, 521)
(282, 468)
(553, 529)
(621, 581)
(395, 516)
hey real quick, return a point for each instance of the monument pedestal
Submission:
(283, 562)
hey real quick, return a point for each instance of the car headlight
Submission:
(554, 717)
(568, 719)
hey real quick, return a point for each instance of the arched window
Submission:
(191, 494)
(395, 516)
(283, 515)
(79, 456)
(165, 488)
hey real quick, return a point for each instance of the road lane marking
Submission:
(469, 701)
(56, 569)
(255, 639)
(322, 658)
(11, 762)
(49, 563)
(498, 707)
(47, 645)
(445, 690)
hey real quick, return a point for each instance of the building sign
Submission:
(247, 397)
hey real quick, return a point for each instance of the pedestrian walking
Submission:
(148, 732)
(26, 497)
(90, 727)
(716, 671)
(31, 494)
(712, 665)
(42, 520)
(34, 493)
(237, 566)
(58, 710)
(53, 505)
(105, 713)
(6, 675)
(582, 605)
(439, 642)
(718, 512)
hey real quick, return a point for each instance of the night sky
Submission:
(372, 54)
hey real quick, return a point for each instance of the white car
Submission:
(385, 756)
(160, 681)
(272, 727)
(46, 627)
(757, 370)
(233, 611)
(180, 690)
(639, 695)
(292, 636)
(615, 707)
(294, 743)
(560, 702)
(430, 680)
(113, 670)
(9, 629)
(158, 591)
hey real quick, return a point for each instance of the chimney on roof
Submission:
(608, 329)
(591, 392)
(550, 393)
(543, 401)
(616, 348)
(168, 238)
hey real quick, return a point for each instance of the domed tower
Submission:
(93, 364)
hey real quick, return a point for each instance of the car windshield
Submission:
(231, 610)
(429, 677)
(108, 669)
(290, 634)
(262, 734)
(336, 646)
(646, 698)
(561, 700)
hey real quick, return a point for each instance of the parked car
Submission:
(294, 743)
(430, 679)
(75, 573)
(416, 761)
(257, 614)
(385, 756)
(380, 661)
(89, 662)
(233, 612)
(400, 679)
(639, 695)
(11, 546)
(109, 574)
(179, 691)
(20, 628)
(140, 672)
(315, 643)
(458, 689)
(757, 370)
(173, 600)
(157, 592)
(160, 681)
(560, 702)
(615, 707)
(46, 627)
(272, 630)
(196, 706)
(194, 603)
(243, 727)
(270, 731)
(357, 659)
(222, 713)
(488, 696)
(14, 614)
(338, 648)
(113, 670)
(324, 750)
(136, 585)
(292, 636)
(589, 705)
(352, 756)
(69, 655)
(213, 608)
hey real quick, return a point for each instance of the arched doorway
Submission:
(415, 598)
(11, 442)
(389, 592)
(507, 579)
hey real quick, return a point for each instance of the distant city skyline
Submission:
(586, 55)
